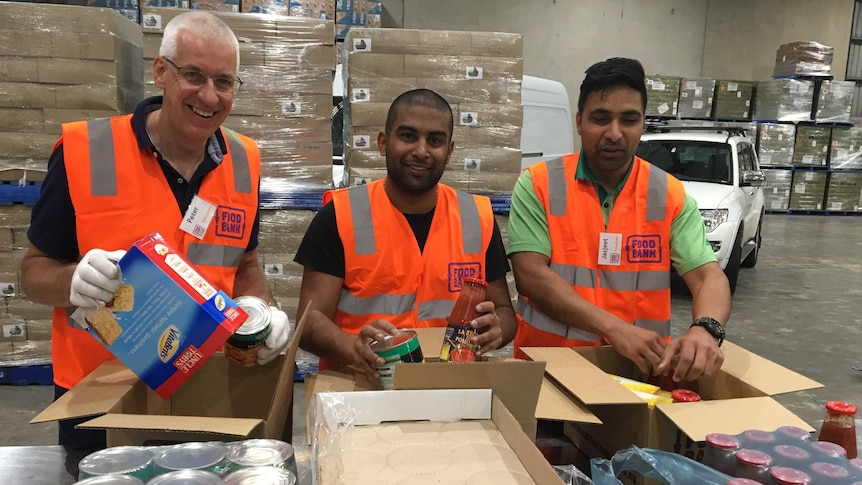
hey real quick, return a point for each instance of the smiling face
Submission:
(194, 113)
(610, 127)
(417, 148)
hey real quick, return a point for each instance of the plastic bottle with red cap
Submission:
(753, 464)
(839, 426)
(788, 476)
(720, 452)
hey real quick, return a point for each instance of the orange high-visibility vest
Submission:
(386, 276)
(638, 289)
(120, 195)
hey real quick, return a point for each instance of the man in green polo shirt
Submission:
(593, 237)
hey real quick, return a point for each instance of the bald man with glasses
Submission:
(115, 180)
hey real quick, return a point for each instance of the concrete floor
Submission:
(801, 306)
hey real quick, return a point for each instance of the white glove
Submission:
(96, 278)
(278, 336)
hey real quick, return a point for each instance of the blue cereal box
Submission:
(166, 319)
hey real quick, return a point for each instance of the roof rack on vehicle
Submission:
(665, 128)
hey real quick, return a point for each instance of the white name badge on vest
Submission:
(198, 217)
(610, 248)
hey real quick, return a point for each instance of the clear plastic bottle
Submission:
(753, 464)
(828, 473)
(759, 440)
(720, 452)
(790, 434)
(839, 426)
(788, 476)
(790, 456)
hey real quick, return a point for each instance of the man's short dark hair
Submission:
(419, 97)
(616, 71)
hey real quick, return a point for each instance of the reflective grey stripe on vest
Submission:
(435, 309)
(634, 280)
(656, 194)
(103, 167)
(239, 157)
(557, 192)
(661, 327)
(575, 275)
(215, 255)
(380, 304)
(363, 225)
(538, 320)
(471, 224)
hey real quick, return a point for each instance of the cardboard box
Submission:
(776, 192)
(220, 402)
(394, 407)
(515, 382)
(604, 417)
(166, 320)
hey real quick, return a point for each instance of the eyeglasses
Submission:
(195, 77)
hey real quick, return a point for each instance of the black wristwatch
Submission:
(712, 326)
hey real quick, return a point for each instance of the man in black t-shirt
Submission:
(342, 320)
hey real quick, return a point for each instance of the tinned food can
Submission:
(259, 475)
(400, 348)
(261, 453)
(242, 347)
(121, 460)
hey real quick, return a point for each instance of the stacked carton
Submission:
(803, 59)
(775, 144)
(844, 192)
(784, 100)
(733, 99)
(480, 77)
(281, 232)
(808, 190)
(834, 100)
(356, 14)
(812, 146)
(845, 151)
(285, 103)
(61, 63)
(25, 327)
(662, 95)
(776, 191)
(695, 97)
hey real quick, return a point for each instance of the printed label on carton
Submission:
(166, 319)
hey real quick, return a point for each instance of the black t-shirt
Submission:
(322, 250)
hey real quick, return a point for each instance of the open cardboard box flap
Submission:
(727, 416)
(556, 404)
(235, 427)
(218, 399)
(767, 376)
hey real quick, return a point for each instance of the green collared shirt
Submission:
(528, 224)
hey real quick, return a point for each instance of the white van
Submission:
(547, 130)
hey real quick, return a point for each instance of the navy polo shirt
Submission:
(52, 222)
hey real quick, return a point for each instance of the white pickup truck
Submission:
(719, 169)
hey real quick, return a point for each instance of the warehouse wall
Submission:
(564, 37)
(742, 36)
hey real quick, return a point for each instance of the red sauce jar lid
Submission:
(684, 395)
(753, 457)
(793, 432)
(856, 463)
(476, 282)
(722, 441)
(828, 448)
(789, 476)
(791, 452)
(742, 481)
(841, 407)
(759, 436)
(829, 470)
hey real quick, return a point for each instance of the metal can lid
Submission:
(260, 452)
(684, 395)
(186, 477)
(392, 341)
(190, 456)
(261, 474)
(110, 480)
(841, 407)
(258, 314)
(118, 460)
